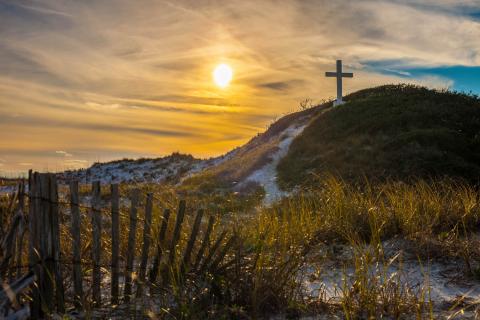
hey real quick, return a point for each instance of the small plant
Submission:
(306, 104)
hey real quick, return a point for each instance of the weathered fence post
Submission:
(21, 234)
(96, 245)
(146, 243)
(131, 245)
(176, 232)
(158, 254)
(56, 254)
(46, 246)
(8, 246)
(76, 225)
(9, 297)
(205, 242)
(211, 253)
(191, 241)
(34, 248)
(12, 239)
(115, 242)
(230, 242)
(175, 238)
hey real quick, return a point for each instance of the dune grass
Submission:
(438, 217)
(444, 212)
(263, 274)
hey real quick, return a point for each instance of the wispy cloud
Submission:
(64, 153)
(39, 9)
(75, 163)
(103, 106)
(32, 121)
(282, 85)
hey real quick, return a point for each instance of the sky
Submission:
(97, 80)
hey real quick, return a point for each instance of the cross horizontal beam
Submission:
(334, 74)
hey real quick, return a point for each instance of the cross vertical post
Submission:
(339, 74)
(339, 80)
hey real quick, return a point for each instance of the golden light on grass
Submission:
(222, 75)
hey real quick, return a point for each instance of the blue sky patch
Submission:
(465, 78)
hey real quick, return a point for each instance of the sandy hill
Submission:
(387, 132)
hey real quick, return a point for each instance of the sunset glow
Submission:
(222, 75)
(139, 74)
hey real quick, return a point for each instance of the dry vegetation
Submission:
(277, 248)
(433, 220)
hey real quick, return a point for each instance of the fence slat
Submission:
(21, 235)
(131, 245)
(45, 244)
(115, 243)
(8, 245)
(191, 241)
(33, 247)
(146, 243)
(76, 245)
(205, 242)
(211, 253)
(214, 265)
(158, 255)
(55, 228)
(176, 232)
(96, 244)
(15, 288)
(47, 285)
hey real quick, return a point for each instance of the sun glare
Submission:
(222, 75)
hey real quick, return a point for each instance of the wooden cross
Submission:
(339, 75)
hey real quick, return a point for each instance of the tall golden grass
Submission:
(274, 246)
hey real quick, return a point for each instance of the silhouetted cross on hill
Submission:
(339, 75)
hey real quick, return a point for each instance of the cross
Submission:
(339, 75)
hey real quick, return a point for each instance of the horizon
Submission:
(92, 82)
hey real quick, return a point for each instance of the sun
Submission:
(222, 75)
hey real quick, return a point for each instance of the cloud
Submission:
(281, 85)
(100, 106)
(76, 162)
(64, 153)
(192, 99)
(32, 121)
(468, 8)
(158, 107)
(42, 10)
(74, 70)
(398, 72)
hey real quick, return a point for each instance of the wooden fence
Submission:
(160, 257)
